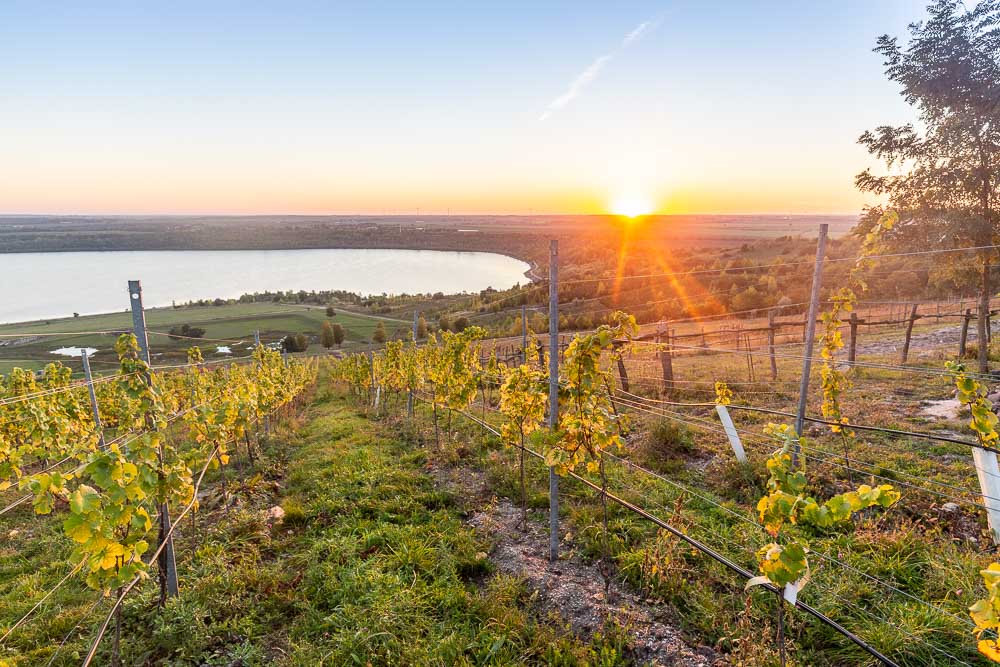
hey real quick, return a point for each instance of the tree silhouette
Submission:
(943, 176)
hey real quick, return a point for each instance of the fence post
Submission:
(731, 433)
(93, 396)
(810, 334)
(965, 332)
(622, 373)
(852, 351)
(553, 393)
(166, 561)
(666, 357)
(989, 481)
(256, 338)
(750, 369)
(909, 332)
(770, 344)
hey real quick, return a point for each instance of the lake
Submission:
(48, 285)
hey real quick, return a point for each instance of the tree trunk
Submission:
(984, 313)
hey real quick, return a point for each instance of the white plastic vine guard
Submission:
(989, 481)
(731, 433)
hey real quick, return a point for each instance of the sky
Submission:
(728, 106)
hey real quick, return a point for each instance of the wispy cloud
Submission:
(584, 78)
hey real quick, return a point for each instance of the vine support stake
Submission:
(524, 334)
(166, 561)
(810, 336)
(409, 396)
(553, 393)
(85, 358)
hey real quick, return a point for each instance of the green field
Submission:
(232, 325)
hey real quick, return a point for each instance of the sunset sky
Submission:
(372, 107)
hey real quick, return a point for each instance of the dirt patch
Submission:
(944, 409)
(576, 590)
(570, 587)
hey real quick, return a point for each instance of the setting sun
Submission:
(631, 206)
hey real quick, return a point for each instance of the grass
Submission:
(931, 555)
(370, 565)
(227, 322)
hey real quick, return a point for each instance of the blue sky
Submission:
(398, 107)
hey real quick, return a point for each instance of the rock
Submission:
(949, 507)
(274, 514)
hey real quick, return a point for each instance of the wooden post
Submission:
(622, 373)
(909, 332)
(770, 344)
(965, 332)
(750, 369)
(666, 358)
(852, 351)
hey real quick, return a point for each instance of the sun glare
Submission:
(631, 206)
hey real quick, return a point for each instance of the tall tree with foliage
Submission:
(944, 172)
(379, 335)
(326, 337)
(338, 333)
(421, 327)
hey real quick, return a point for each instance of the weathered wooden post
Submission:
(852, 351)
(964, 337)
(909, 332)
(622, 373)
(666, 357)
(770, 344)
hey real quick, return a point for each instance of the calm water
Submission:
(40, 285)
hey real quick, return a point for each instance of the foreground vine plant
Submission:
(985, 613)
(589, 425)
(788, 503)
(523, 398)
(49, 445)
(834, 381)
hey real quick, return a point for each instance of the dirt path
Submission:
(572, 588)
(921, 342)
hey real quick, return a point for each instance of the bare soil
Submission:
(571, 588)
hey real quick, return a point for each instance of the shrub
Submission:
(665, 446)
(186, 331)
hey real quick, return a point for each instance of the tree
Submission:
(185, 331)
(444, 323)
(338, 333)
(379, 334)
(295, 343)
(460, 324)
(947, 191)
(421, 327)
(330, 312)
(326, 337)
